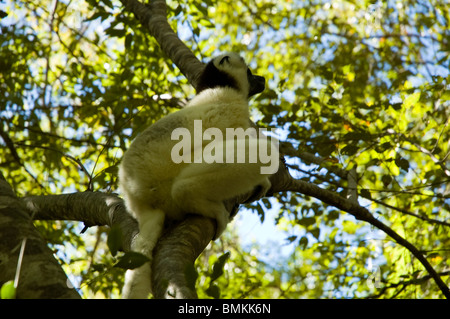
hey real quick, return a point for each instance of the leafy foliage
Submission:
(362, 84)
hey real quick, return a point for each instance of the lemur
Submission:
(156, 187)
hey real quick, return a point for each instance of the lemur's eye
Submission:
(225, 58)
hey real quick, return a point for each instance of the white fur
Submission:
(153, 186)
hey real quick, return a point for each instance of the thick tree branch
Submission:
(93, 208)
(175, 254)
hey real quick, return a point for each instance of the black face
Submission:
(212, 77)
(257, 83)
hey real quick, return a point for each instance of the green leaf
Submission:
(402, 163)
(218, 266)
(115, 32)
(128, 40)
(365, 193)
(108, 3)
(8, 291)
(213, 291)
(290, 239)
(303, 243)
(383, 147)
(315, 232)
(349, 226)
(333, 215)
(307, 221)
(357, 136)
(411, 100)
(99, 267)
(115, 238)
(386, 179)
(131, 260)
(350, 150)
(446, 95)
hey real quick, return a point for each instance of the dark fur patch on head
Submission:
(212, 78)
(257, 83)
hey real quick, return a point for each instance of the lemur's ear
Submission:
(224, 59)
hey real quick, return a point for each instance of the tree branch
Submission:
(175, 254)
(93, 208)
(407, 212)
(363, 214)
(153, 16)
(308, 158)
(404, 284)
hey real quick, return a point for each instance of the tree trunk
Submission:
(40, 275)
